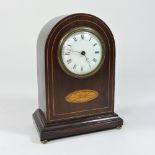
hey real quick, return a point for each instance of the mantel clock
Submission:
(76, 77)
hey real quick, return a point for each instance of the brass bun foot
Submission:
(119, 127)
(44, 141)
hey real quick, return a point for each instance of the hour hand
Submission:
(87, 59)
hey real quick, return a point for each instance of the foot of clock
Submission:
(49, 130)
(44, 141)
(119, 127)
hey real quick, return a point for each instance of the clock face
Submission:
(81, 52)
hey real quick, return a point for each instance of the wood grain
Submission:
(81, 96)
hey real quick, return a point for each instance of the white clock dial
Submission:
(82, 52)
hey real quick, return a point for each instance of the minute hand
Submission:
(87, 59)
(76, 51)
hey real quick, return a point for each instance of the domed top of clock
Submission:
(80, 41)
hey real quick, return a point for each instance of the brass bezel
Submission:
(62, 41)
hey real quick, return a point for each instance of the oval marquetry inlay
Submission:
(81, 96)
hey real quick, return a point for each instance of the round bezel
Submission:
(62, 41)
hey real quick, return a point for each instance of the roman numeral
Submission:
(69, 61)
(95, 44)
(75, 39)
(82, 36)
(96, 52)
(95, 60)
(74, 67)
(69, 45)
(90, 39)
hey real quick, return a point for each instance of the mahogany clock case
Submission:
(56, 117)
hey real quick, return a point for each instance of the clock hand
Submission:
(73, 51)
(82, 53)
(87, 59)
(77, 52)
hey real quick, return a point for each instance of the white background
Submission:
(133, 25)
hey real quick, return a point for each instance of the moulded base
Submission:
(54, 130)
